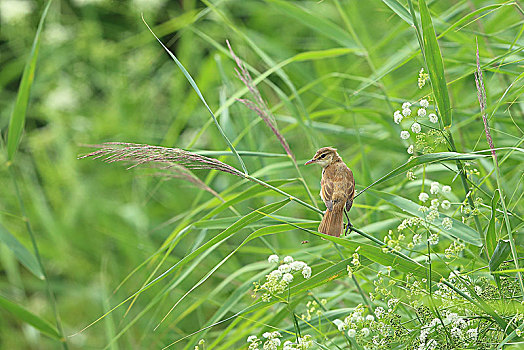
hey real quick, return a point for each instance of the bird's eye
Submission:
(322, 156)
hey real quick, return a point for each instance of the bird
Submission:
(337, 190)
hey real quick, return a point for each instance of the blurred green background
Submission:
(101, 77)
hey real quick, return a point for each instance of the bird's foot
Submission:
(348, 227)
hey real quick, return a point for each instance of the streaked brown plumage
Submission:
(337, 189)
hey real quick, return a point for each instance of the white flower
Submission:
(340, 325)
(370, 318)
(266, 335)
(288, 259)
(14, 10)
(410, 149)
(404, 135)
(423, 196)
(447, 224)
(57, 34)
(435, 188)
(406, 105)
(365, 332)
(352, 333)
(421, 112)
(406, 112)
(272, 344)
(287, 278)
(284, 268)
(424, 103)
(273, 258)
(445, 203)
(433, 118)
(62, 98)
(434, 204)
(432, 344)
(306, 272)
(252, 338)
(276, 274)
(297, 265)
(456, 332)
(416, 128)
(472, 333)
(446, 189)
(397, 117)
(392, 303)
(379, 311)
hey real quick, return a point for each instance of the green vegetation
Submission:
(209, 240)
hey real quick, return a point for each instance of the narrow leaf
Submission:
(499, 255)
(17, 121)
(21, 253)
(435, 64)
(400, 10)
(30, 318)
(491, 235)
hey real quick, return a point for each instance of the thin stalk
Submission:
(50, 294)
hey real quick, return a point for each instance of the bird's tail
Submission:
(331, 223)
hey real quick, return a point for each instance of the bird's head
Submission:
(324, 156)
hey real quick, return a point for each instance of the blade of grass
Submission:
(21, 253)
(17, 121)
(30, 318)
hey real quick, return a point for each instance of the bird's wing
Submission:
(336, 187)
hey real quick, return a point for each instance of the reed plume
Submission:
(258, 105)
(138, 154)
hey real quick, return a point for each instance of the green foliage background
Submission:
(336, 72)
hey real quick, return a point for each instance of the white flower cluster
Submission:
(373, 329)
(460, 328)
(273, 342)
(454, 249)
(278, 280)
(433, 209)
(416, 128)
(304, 343)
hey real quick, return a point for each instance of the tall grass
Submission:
(96, 256)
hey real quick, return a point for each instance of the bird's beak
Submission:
(310, 161)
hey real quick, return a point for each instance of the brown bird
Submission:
(337, 189)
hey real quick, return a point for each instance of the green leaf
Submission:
(499, 255)
(510, 337)
(424, 159)
(491, 235)
(321, 54)
(30, 318)
(458, 230)
(435, 64)
(317, 23)
(400, 10)
(17, 121)
(21, 253)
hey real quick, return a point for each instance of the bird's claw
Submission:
(348, 227)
